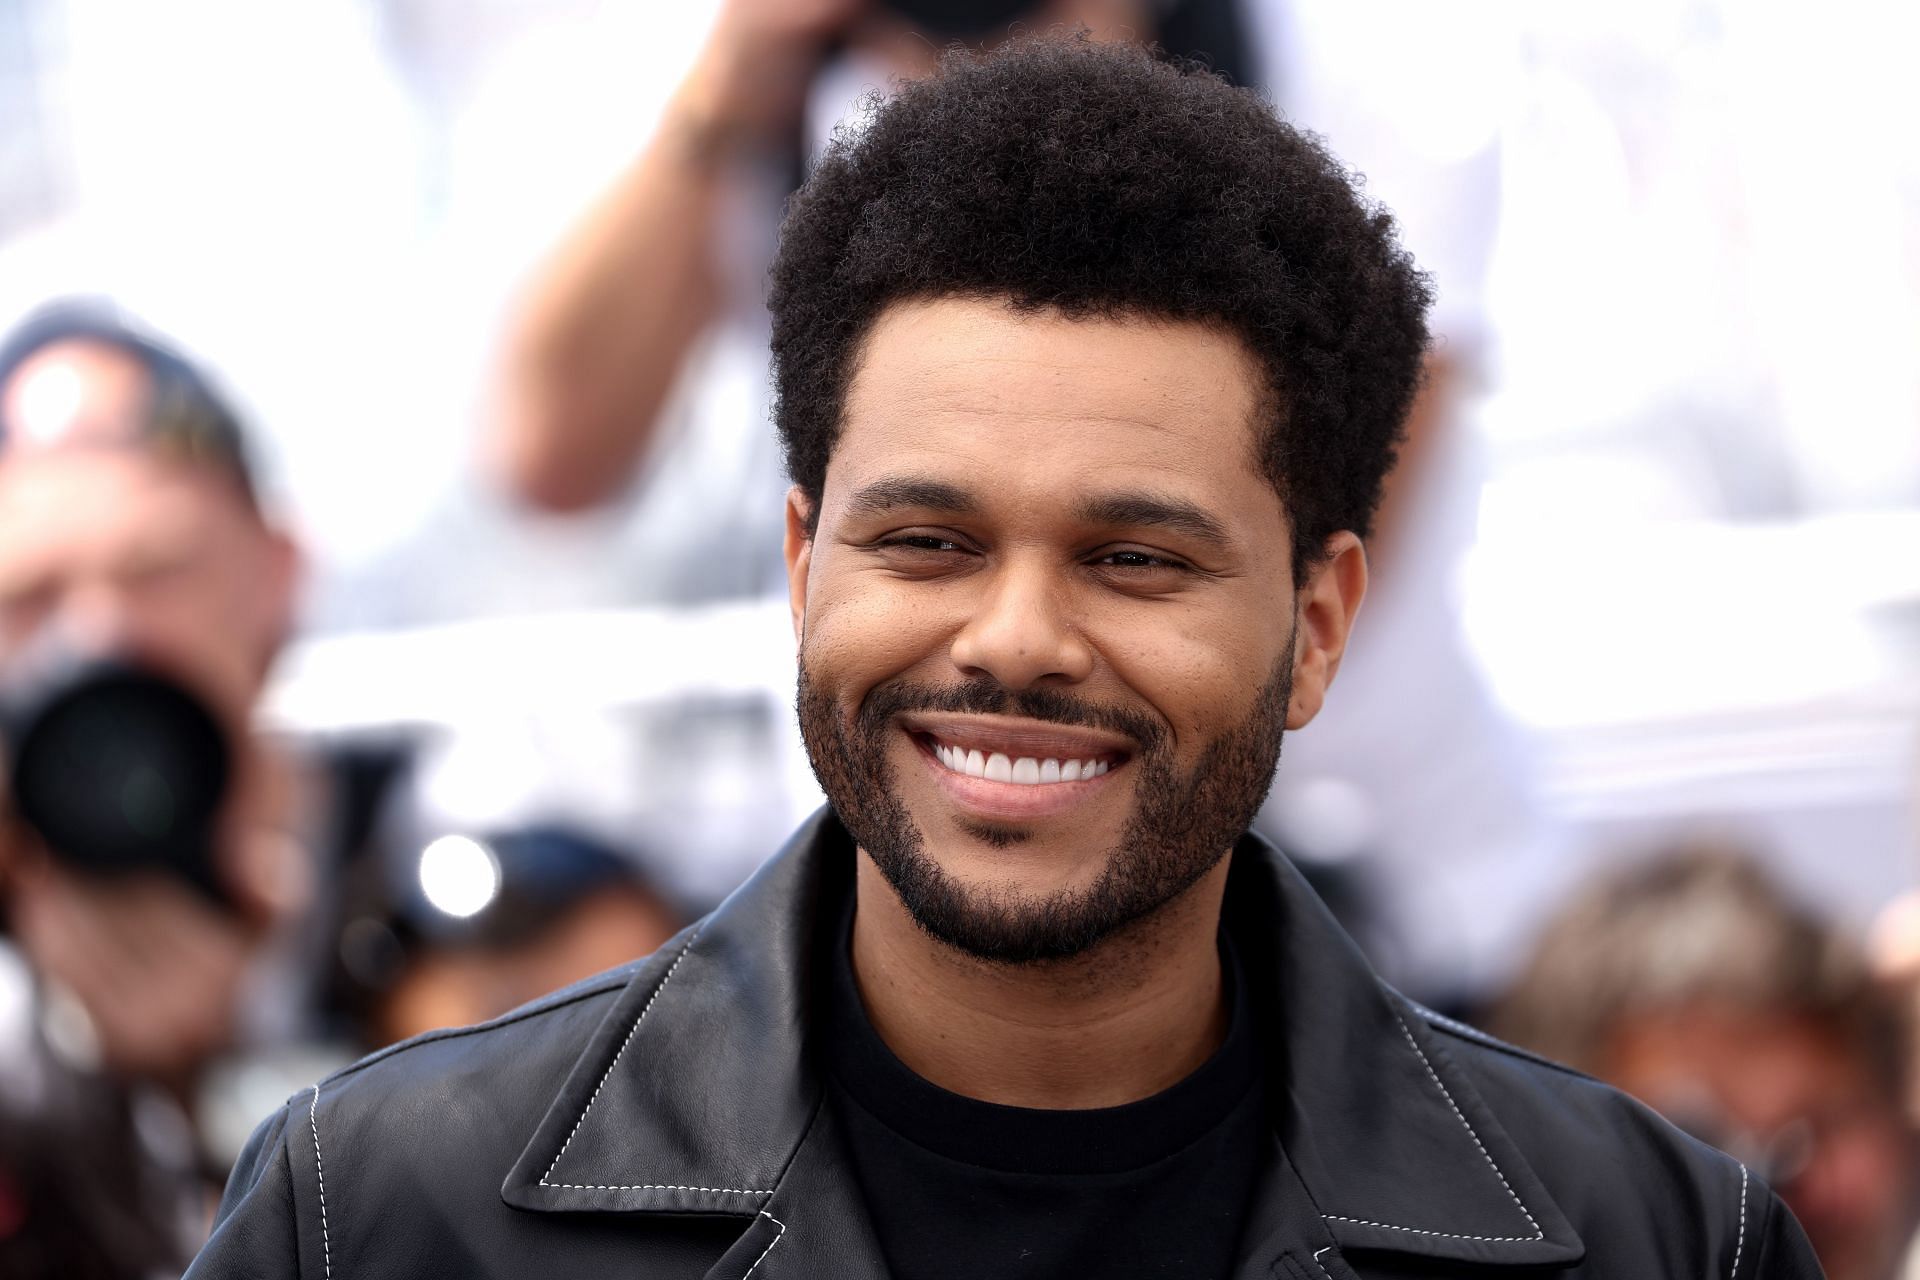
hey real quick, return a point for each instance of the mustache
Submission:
(984, 695)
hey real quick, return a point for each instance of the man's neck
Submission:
(1135, 1015)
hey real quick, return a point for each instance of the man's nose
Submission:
(1022, 631)
(95, 615)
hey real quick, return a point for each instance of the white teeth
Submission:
(1025, 771)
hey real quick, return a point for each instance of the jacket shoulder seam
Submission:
(1457, 1030)
(320, 1170)
(537, 1009)
(1464, 1032)
(592, 989)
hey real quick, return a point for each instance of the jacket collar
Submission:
(1393, 1143)
(696, 1094)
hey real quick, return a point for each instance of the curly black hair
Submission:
(1097, 179)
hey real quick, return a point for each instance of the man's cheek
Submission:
(863, 642)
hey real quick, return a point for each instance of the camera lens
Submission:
(119, 768)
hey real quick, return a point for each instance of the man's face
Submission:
(1049, 632)
(1791, 1093)
(109, 548)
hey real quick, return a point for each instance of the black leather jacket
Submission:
(665, 1120)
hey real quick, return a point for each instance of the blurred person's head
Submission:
(464, 928)
(139, 582)
(910, 33)
(128, 521)
(1697, 983)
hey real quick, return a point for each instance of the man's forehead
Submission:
(1089, 413)
(98, 494)
(75, 391)
(988, 352)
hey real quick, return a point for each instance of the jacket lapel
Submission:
(696, 1090)
(1389, 1140)
(697, 1095)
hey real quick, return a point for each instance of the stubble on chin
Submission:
(1182, 824)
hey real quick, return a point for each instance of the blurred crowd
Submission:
(202, 909)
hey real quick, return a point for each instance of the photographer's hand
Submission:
(751, 79)
(157, 966)
(603, 328)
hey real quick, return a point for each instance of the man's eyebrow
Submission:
(883, 496)
(1154, 511)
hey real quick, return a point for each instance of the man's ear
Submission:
(1326, 605)
(283, 571)
(798, 547)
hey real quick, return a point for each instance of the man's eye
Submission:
(153, 571)
(1137, 560)
(922, 542)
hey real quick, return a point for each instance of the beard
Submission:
(1182, 824)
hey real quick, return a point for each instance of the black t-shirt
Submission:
(964, 1189)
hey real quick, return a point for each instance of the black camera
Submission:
(117, 767)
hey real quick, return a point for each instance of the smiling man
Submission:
(1089, 373)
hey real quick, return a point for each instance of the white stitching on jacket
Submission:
(1323, 1266)
(1442, 1235)
(631, 1033)
(1741, 1246)
(769, 1249)
(313, 1121)
(1454, 1024)
(1539, 1233)
(651, 1186)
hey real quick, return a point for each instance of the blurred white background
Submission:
(1680, 243)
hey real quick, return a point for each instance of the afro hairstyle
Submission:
(1098, 180)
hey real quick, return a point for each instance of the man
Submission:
(1697, 983)
(130, 535)
(1089, 371)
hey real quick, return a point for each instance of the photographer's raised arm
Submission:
(602, 331)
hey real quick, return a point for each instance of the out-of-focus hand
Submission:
(751, 78)
(157, 967)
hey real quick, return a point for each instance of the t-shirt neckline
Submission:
(1026, 1139)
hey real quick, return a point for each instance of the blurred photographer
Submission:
(144, 855)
